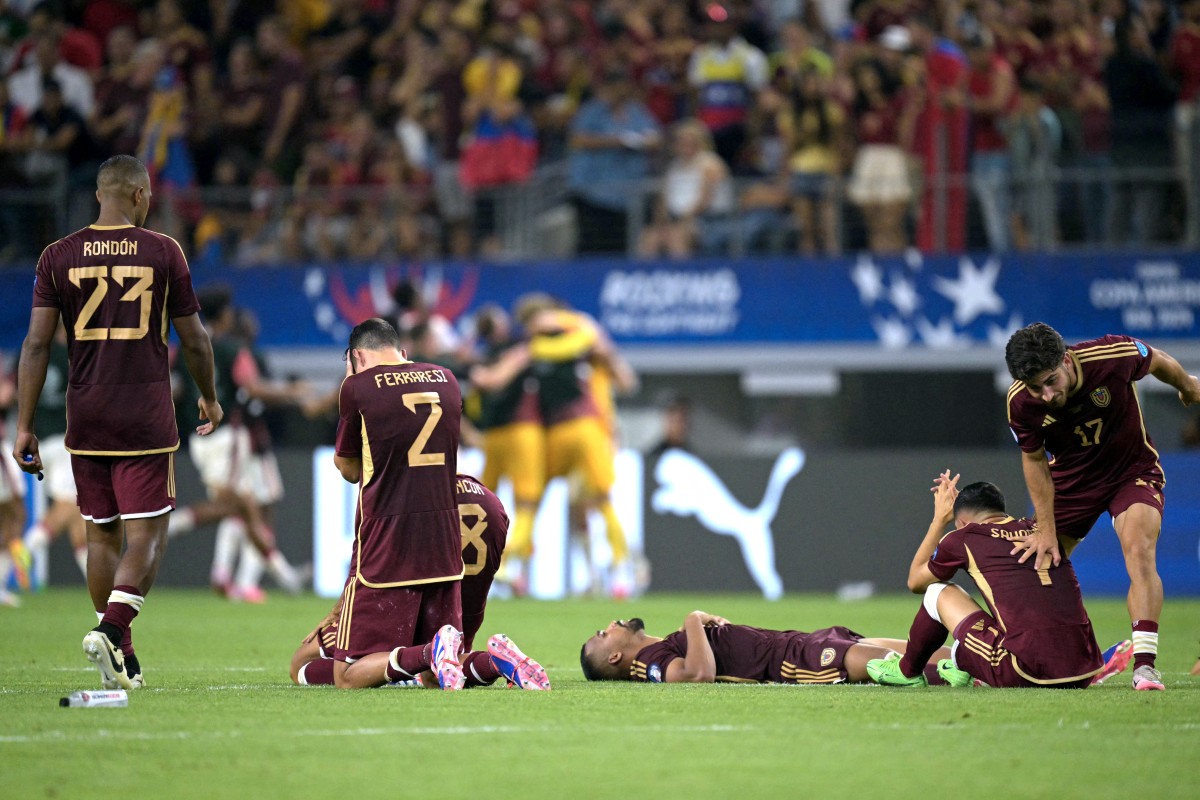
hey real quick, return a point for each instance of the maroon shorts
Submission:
(979, 649)
(380, 620)
(1075, 515)
(818, 657)
(128, 487)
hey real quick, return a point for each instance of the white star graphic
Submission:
(893, 333)
(314, 282)
(868, 278)
(941, 336)
(974, 292)
(998, 336)
(903, 295)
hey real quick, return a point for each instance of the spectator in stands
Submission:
(25, 86)
(611, 137)
(78, 47)
(1184, 63)
(726, 73)
(815, 130)
(243, 102)
(879, 181)
(1094, 192)
(120, 95)
(1143, 97)
(1035, 141)
(666, 78)
(695, 200)
(797, 58)
(12, 176)
(13, 29)
(342, 46)
(991, 98)
(454, 202)
(285, 75)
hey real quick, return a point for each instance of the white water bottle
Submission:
(116, 698)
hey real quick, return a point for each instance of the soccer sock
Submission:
(406, 663)
(1145, 643)
(127, 642)
(615, 532)
(932, 677)
(181, 521)
(124, 603)
(284, 573)
(230, 532)
(479, 669)
(250, 566)
(316, 673)
(924, 638)
(520, 536)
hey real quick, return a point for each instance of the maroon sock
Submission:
(412, 662)
(319, 672)
(120, 615)
(932, 676)
(1144, 658)
(479, 669)
(127, 642)
(924, 638)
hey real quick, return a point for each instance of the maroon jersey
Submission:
(402, 421)
(1099, 438)
(483, 523)
(747, 654)
(116, 287)
(1041, 612)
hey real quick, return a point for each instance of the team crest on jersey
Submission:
(1145, 351)
(654, 674)
(1101, 397)
(827, 656)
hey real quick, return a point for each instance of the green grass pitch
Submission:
(219, 717)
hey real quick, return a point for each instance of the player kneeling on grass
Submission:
(709, 649)
(1037, 632)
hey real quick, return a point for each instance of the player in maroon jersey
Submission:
(1079, 404)
(483, 524)
(1035, 632)
(708, 649)
(117, 287)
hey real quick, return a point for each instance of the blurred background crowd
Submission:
(315, 130)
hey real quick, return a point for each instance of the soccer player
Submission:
(117, 286)
(1079, 404)
(1035, 632)
(483, 524)
(397, 437)
(708, 649)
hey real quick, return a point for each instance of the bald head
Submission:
(123, 189)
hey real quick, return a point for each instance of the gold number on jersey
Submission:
(1090, 436)
(473, 535)
(139, 292)
(417, 457)
(1044, 576)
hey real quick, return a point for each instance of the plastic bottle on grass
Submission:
(116, 698)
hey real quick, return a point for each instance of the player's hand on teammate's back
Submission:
(213, 413)
(25, 451)
(1042, 542)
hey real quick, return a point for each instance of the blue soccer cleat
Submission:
(517, 668)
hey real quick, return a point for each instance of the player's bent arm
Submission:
(1041, 487)
(700, 665)
(921, 578)
(351, 468)
(1171, 372)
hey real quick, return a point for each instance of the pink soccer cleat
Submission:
(1147, 678)
(1116, 659)
(517, 668)
(447, 645)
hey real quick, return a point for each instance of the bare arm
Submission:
(31, 376)
(351, 468)
(945, 490)
(1041, 491)
(700, 665)
(1172, 373)
(493, 377)
(198, 356)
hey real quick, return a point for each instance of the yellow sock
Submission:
(615, 532)
(520, 535)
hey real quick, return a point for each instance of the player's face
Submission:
(617, 634)
(1053, 385)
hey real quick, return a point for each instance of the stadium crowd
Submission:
(362, 129)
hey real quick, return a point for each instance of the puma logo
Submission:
(688, 487)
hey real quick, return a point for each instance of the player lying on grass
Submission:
(709, 649)
(1036, 631)
(483, 524)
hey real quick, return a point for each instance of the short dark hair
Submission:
(980, 496)
(374, 334)
(590, 670)
(119, 172)
(214, 300)
(1033, 350)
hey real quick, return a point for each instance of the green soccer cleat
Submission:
(954, 676)
(886, 672)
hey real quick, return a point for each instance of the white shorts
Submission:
(60, 480)
(221, 457)
(12, 479)
(261, 479)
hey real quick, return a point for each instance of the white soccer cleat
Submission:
(517, 668)
(108, 659)
(447, 645)
(1147, 678)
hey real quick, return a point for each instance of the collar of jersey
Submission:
(110, 227)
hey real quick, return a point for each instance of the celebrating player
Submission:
(483, 524)
(115, 285)
(708, 649)
(1079, 404)
(1036, 631)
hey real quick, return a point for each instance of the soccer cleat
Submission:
(517, 668)
(447, 645)
(108, 659)
(954, 676)
(133, 669)
(886, 672)
(9, 599)
(22, 561)
(247, 594)
(1147, 678)
(1116, 659)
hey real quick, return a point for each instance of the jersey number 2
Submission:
(417, 457)
(138, 292)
